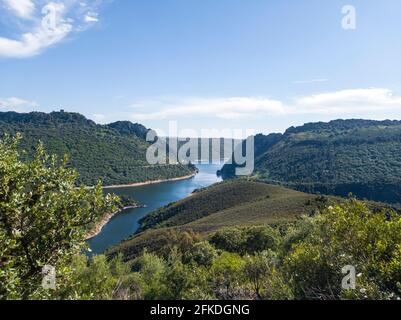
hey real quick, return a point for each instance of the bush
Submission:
(44, 218)
(228, 239)
(258, 239)
(201, 253)
(348, 234)
(246, 240)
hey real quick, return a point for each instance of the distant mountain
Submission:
(362, 157)
(115, 153)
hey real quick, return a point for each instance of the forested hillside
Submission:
(227, 204)
(339, 157)
(115, 153)
(250, 240)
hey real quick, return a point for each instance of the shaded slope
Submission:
(115, 153)
(339, 157)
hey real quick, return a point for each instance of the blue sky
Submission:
(254, 64)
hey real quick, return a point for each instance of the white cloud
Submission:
(91, 17)
(224, 108)
(99, 118)
(353, 101)
(17, 104)
(50, 25)
(22, 8)
(43, 36)
(375, 102)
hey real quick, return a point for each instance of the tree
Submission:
(101, 279)
(201, 253)
(43, 219)
(227, 270)
(177, 277)
(256, 269)
(258, 239)
(228, 239)
(151, 268)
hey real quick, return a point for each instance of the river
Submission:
(153, 196)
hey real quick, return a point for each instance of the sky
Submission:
(263, 65)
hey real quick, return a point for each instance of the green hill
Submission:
(358, 156)
(234, 203)
(114, 153)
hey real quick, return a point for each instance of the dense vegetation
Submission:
(339, 157)
(228, 204)
(234, 202)
(44, 218)
(301, 260)
(114, 153)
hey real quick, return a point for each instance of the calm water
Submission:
(123, 225)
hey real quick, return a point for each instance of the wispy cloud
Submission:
(17, 104)
(48, 23)
(373, 103)
(310, 81)
(91, 17)
(99, 118)
(353, 101)
(343, 103)
(21, 8)
(224, 108)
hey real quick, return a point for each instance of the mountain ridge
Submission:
(339, 157)
(114, 153)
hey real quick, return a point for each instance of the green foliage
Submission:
(261, 238)
(233, 203)
(339, 157)
(227, 270)
(101, 279)
(157, 241)
(178, 277)
(249, 249)
(128, 202)
(302, 260)
(151, 269)
(296, 267)
(43, 218)
(168, 278)
(204, 203)
(246, 240)
(348, 235)
(202, 254)
(257, 269)
(114, 153)
(229, 239)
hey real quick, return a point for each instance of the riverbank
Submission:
(105, 220)
(140, 184)
(154, 197)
